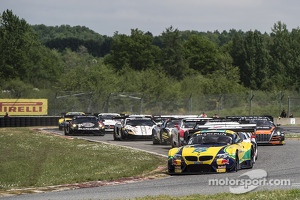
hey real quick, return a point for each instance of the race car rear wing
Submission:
(251, 128)
(227, 126)
(132, 116)
(245, 119)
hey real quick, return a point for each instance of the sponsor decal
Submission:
(199, 150)
(24, 106)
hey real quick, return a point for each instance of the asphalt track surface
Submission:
(281, 163)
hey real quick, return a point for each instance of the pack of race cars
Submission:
(197, 144)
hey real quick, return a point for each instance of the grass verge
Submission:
(33, 158)
(260, 195)
(292, 135)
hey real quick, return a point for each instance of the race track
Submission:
(282, 164)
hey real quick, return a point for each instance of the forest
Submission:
(166, 71)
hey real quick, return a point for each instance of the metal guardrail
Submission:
(29, 121)
(24, 121)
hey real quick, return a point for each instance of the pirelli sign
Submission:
(24, 106)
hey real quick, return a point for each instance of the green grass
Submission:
(261, 195)
(292, 135)
(32, 158)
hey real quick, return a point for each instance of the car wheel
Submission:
(122, 136)
(115, 135)
(179, 142)
(237, 165)
(172, 141)
(154, 140)
(66, 131)
(70, 131)
(252, 161)
(171, 168)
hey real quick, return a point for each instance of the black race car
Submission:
(84, 125)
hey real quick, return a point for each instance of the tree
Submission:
(16, 38)
(22, 56)
(173, 61)
(135, 51)
(282, 62)
(250, 53)
(201, 54)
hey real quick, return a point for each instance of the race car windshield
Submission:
(171, 124)
(264, 123)
(210, 139)
(85, 119)
(140, 122)
(107, 116)
(189, 124)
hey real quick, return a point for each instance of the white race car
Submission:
(109, 120)
(134, 128)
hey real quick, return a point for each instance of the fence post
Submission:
(288, 107)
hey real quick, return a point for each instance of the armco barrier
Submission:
(24, 121)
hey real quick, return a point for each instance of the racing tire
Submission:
(66, 131)
(237, 165)
(70, 132)
(179, 141)
(154, 140)
(171, 168)
(252, 161)
(114, 135)
(172, 141)
(122, 137)
(255, 150)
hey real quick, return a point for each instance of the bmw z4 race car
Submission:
(213, 151)
(134, 128)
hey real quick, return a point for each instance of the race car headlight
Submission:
(74, 125)
(177, 157)
(129, 131)
(101, 125)
(277, 133)
(222, 155)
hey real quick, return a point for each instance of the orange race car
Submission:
(266, 131)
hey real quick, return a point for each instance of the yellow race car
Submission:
(66, 117)
(211, 151)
